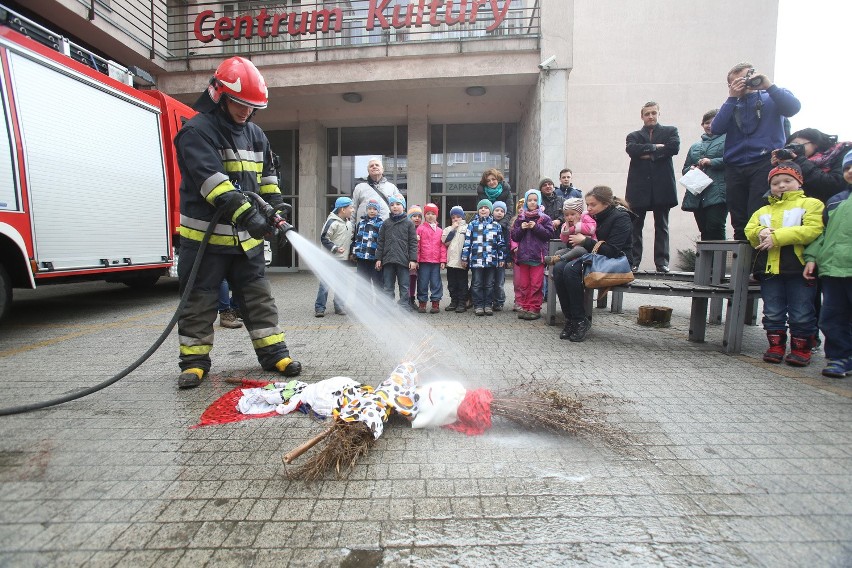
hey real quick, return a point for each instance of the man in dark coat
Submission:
(651, 182)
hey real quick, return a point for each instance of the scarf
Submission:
(824, 160)
(493, 194)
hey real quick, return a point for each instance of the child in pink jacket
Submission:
(431, 260)
(576, 223)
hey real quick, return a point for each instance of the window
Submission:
(460, 153)
(349, 150)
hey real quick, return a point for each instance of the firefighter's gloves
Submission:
(255, 223)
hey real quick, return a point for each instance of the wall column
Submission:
(418, 154)
(312, 178)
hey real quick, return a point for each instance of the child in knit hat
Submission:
(415, 213)
(431, 260)
(779, 233)
(577, 222)
(396, 254)
(457, 281)
(483, 253)
(499, 213)
(831, 252)
(532, 231)
(366, 240)
(336, 237)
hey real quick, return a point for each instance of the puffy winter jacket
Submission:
(337, 234)
(430, 248)
(453, 239)
(711, 147)
(366, 239)
(397, 241)
(532, 243)
(797, 221)
(483, 244)
(832, 250)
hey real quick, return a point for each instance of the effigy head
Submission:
(438, 403)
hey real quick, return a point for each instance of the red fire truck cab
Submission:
(88, 175)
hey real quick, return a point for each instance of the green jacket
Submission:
(712, 147)
(832, 250)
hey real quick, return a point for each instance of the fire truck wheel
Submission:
(141, 281)
(5, 291)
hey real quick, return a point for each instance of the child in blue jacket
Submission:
(483, 252)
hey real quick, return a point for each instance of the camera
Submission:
(752, 81)
(545, 65)
(790, 151)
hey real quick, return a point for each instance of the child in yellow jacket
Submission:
(779, 233)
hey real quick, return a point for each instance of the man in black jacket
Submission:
(651, 182)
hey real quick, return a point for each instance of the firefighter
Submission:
(221, 153)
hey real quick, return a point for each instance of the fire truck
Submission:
(88, 173)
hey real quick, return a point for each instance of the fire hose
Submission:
(278, 225)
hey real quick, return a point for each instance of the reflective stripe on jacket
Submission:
(215, 157)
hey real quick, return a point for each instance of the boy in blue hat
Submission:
(483, 252)
(396, 254)
(336, 236)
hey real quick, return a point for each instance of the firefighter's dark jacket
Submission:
(216, 156)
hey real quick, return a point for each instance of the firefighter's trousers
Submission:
(253, 294)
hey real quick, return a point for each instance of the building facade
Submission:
(441, 90)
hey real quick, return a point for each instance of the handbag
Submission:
(695, 181)
(604, 272)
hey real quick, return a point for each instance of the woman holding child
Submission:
(614, 225)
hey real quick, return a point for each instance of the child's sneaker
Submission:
(837, 368)
(436, 307)
(479, 311)
(452, 307)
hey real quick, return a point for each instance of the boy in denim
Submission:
(396, 254)
(483, 252)
(779, 233)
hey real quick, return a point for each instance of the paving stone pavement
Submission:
(732, 462)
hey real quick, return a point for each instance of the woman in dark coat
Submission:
(615, 226)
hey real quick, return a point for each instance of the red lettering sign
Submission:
(303, 23)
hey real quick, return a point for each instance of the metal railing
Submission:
(257, 27)
(180, 29)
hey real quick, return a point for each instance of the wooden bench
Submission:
(707, 287)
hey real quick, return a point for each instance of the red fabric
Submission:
(224, 409)
(474, 413)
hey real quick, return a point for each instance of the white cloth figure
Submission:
(438, 404)
(321, 396)
(260, 400)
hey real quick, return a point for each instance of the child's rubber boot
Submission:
(777, 346)
(800, 352)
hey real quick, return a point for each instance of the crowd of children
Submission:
(796, 239)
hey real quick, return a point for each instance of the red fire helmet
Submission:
(238, 79)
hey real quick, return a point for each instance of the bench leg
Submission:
(716, 305)
(617, 302)
(698, 320)
(588, 296)
(550, 313)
